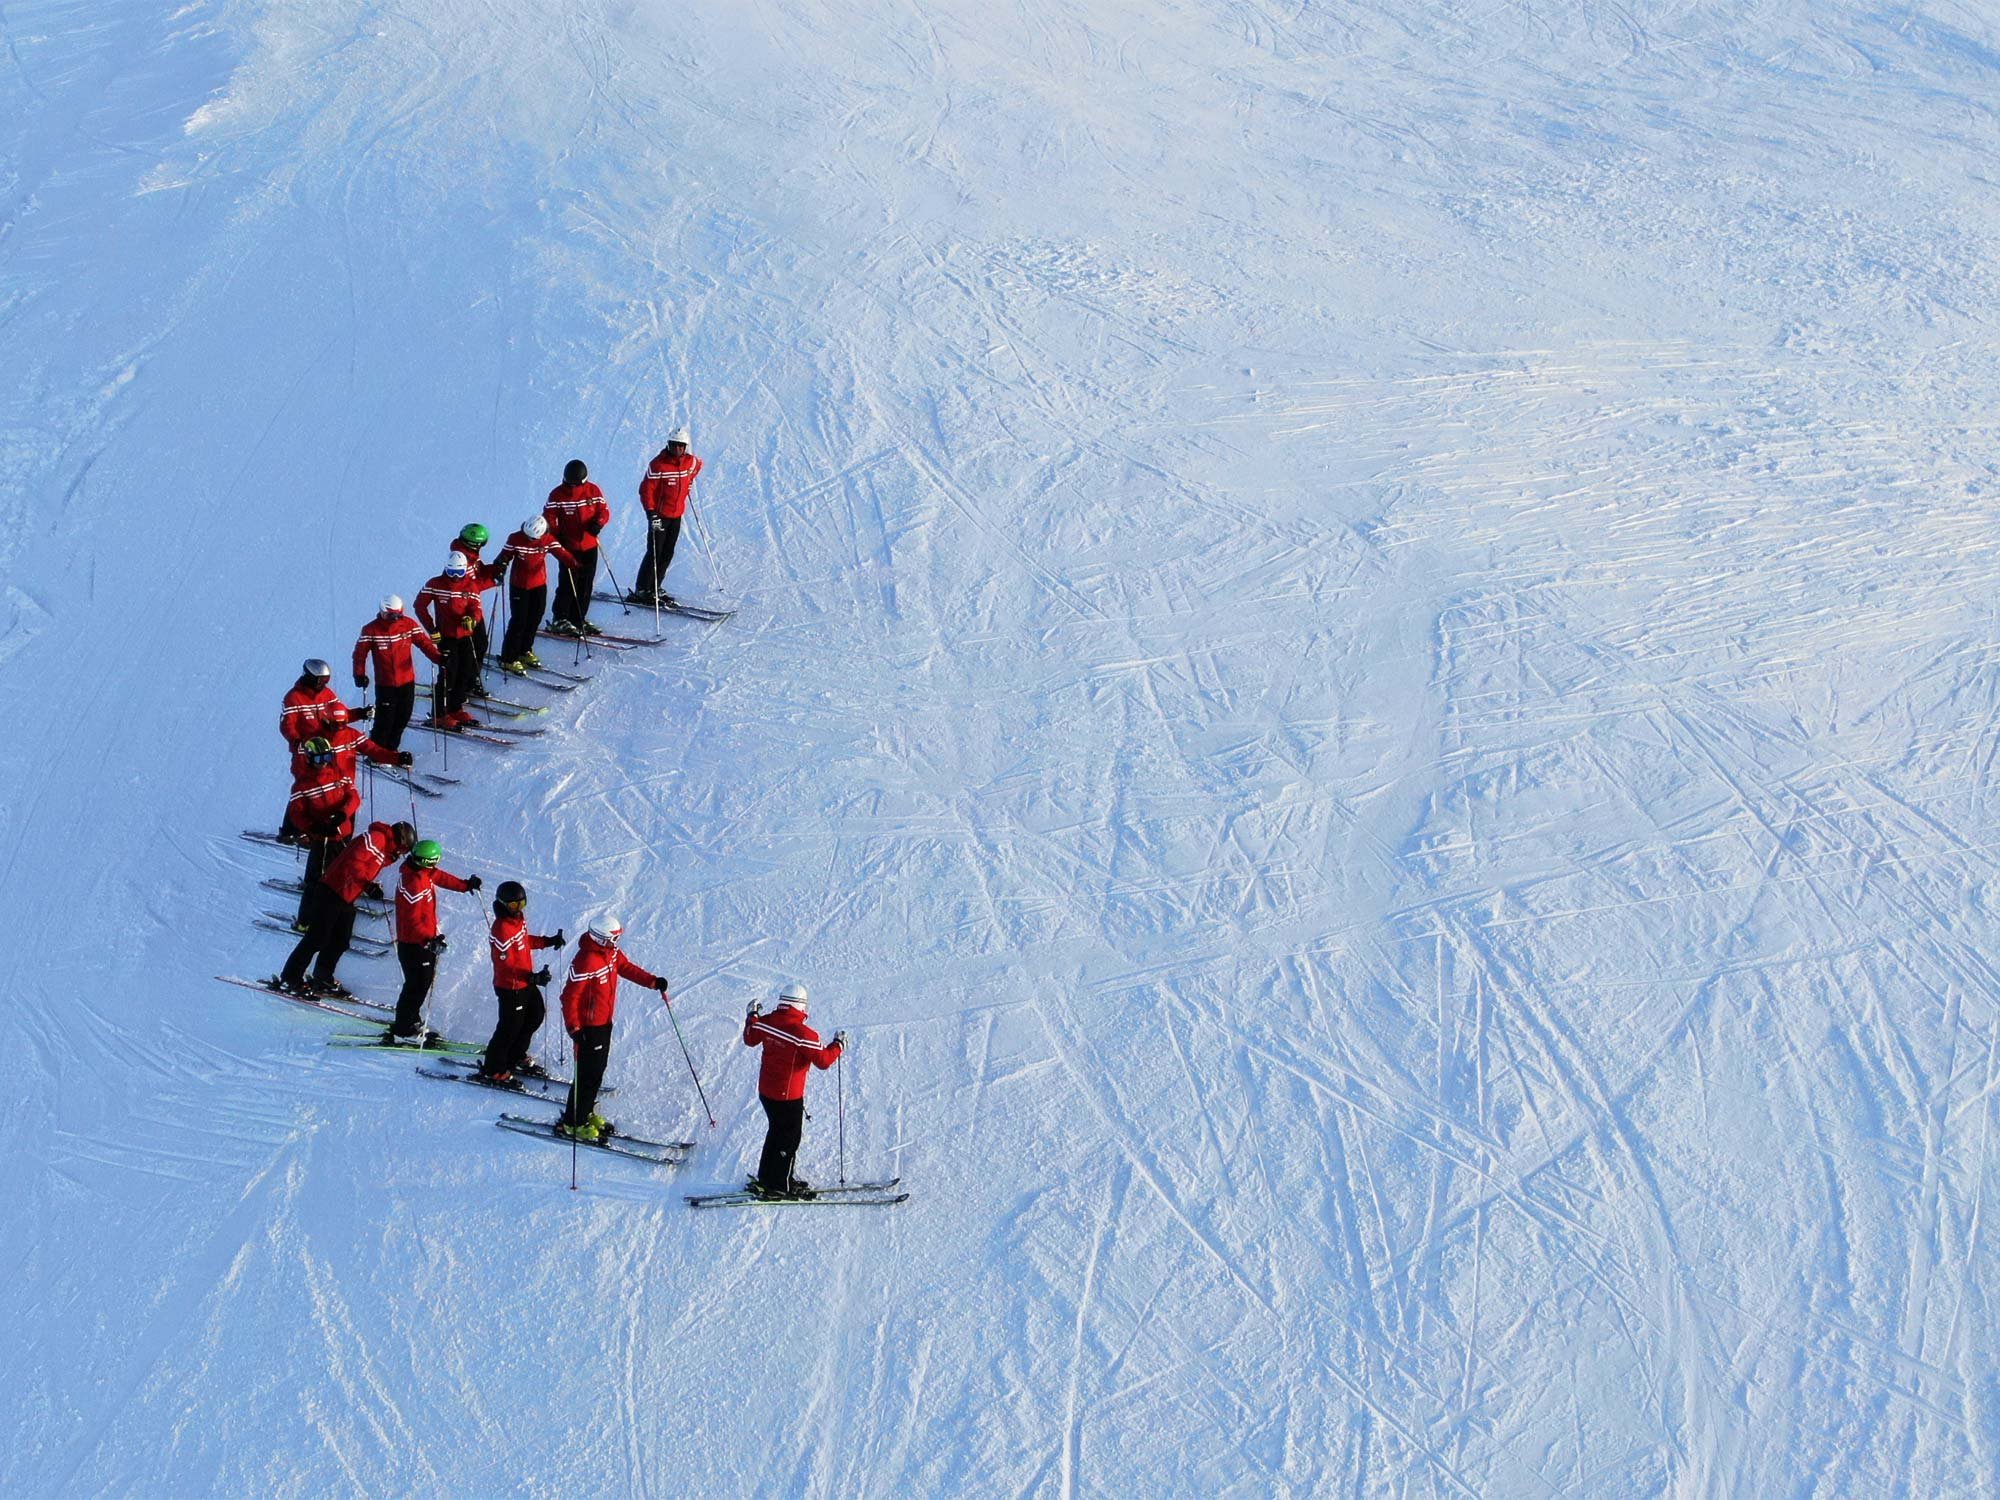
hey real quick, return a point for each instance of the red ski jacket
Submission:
(416, 901)
(303, 712)
(576, 513)
(790, 1048)
(590, 994)
(388, 642)
(347, 743)
(323, 801)
(668, 483)
(514, 952)
(530, 558)
(449, 606)
(360, 862)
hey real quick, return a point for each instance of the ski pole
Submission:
(701, 538)
(699, 1091)
(570, 1114)
(840, 1088)
(605, 558)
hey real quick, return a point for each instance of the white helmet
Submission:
(607, 929)
(392, 604)
(457, 566)
(794, 995)
(679, 435)
(536, 526)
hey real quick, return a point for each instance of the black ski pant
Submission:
(573, 588)
(393, 707)
(420, 966)
(521, 1013)
(524, 618)
(787, 1125)
(329, 929)
(318, 852)
(592, 1046)
(661, 539)
(455, 675)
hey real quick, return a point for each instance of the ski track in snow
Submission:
(1365, 672)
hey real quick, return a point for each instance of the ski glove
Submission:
(374, 890)
(541, 975)
(361, 679)
(659, 523)
(559, 937)
(404, 758)
(756, 1010)
(436, 945)
(840, 1039)
(366, 711)
(473, 882)
(593, 527)
(660, 985)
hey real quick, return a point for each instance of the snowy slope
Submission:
(1365, 672)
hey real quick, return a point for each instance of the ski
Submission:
(523, 1087)
(706, 612)
(367, 904)
(659, 1153)
(530, 1072)
(257, 836)
(521, 709)
(609, 642)
(566, 682)
(351, 1007)
(475, 735)
(850, 1195)
(364, 947)
(511, 732)
(404, 779)
(379, 1040)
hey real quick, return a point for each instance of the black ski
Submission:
(851, 1195)
(566, 682)
(404, 779)
(525, 1088)
(367, 904)
(487, 700)
(659, 1153)
(352, 1007)
(609, 642)
(707, 612)
(277, 921)
(379, 1040)
(475, 735)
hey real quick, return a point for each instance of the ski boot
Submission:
(586, 1132)
(328, 989)
(589, 629)
(531, 659)
(517, 667)
(800, 1188)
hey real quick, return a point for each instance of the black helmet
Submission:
(317, 751)
(405, 835)
(575, 471)
(511, 893)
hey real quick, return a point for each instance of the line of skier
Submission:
(343, 868)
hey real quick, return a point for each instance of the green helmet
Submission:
(475, 534)
(316, 749)
(428, 852)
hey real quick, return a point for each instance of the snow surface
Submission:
(1367, 673)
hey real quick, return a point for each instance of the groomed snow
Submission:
(1366, 673)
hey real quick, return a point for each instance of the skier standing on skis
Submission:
(791, 1050)
(448, 605)
(480, 576)
(385, 644)
(418, 940)
(323, 781)
(589, 1000)
(525, 562)
(517, 984)
(576, 513)
(664, 493)
(330, 921)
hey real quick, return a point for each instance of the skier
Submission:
(664, 493)
(470, 539)
(589, 999)
(320, 816)
(791, 1048)
(525, 561)
(305, 702)
(517, 985)
(576, 513)
(418, 940)
(448, 605)
(387, 640)
(330, 922)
